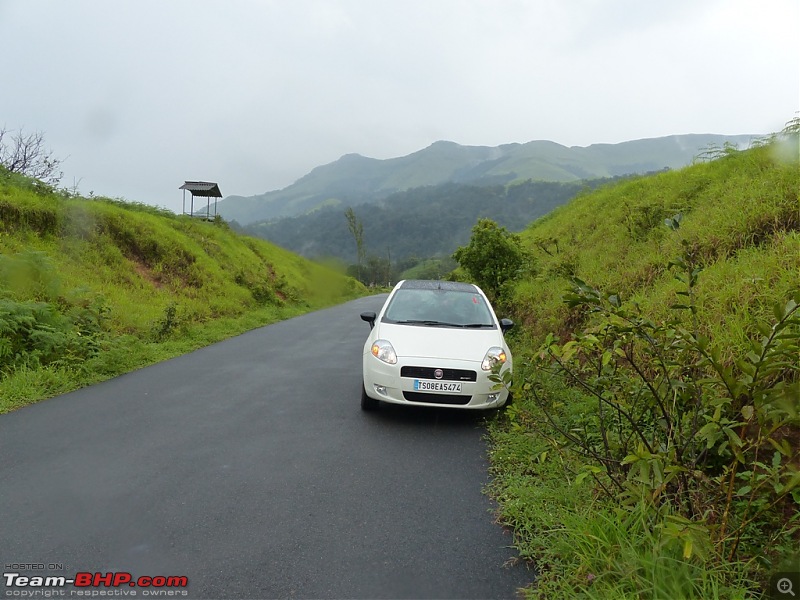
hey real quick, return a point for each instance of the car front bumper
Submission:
(384, 382)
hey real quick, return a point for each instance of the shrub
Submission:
(37, 325)
(492, 258)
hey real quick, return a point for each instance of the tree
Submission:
(492, 257)
(356, 228)
(26, 154)
(378, 270)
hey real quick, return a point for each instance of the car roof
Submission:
(432, 284)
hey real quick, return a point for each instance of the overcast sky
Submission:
(140, 95)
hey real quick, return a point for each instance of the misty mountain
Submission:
(356, 179)
(430, 221)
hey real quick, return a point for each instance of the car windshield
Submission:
(439, 308)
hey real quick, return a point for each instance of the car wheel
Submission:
(367, 403)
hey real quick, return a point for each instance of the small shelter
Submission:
(202, 189)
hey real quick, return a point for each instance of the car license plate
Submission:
(422, 385)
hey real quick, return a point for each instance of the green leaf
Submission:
(733, 437)
(763, 328)
(674, 223)
(568, 350)
(783, 446)
(631, 458)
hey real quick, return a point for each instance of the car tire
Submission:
(368, 403)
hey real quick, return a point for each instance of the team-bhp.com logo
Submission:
(89, 584)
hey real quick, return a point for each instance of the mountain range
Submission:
(356, 179)
(422, 222)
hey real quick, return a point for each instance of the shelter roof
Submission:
(202, 188)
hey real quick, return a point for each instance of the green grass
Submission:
(740, 214)
(91, 288)
(432, 268)
(741, 224)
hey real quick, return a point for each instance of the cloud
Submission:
(254, 94)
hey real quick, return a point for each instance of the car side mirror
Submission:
(369, 317)
(505, 324)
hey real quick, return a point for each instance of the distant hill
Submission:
(355, 179)
(430, 221)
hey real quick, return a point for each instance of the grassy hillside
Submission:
(740, 214)
(90, 288)
(653, 448)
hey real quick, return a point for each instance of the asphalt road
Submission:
(249, 468)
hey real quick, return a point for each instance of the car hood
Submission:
(440, 342)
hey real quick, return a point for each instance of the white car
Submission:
(434, 343)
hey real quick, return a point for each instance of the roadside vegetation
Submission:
(653, 446)
(92, 288)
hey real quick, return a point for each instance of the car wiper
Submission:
(477, 325)
(430, 323)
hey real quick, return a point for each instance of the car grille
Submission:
(449, 374)
(437, 398)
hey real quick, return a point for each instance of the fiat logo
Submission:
(438, 373)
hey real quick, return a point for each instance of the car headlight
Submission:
(494, 356)
(383, 350)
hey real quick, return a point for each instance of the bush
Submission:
(492, 258)
(37, 325)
